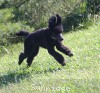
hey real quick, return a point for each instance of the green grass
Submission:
(80, 75)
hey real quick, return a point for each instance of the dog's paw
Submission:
(63, 64)
(70, 54)
(19, 63)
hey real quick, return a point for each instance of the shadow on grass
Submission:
(13, 77)
(24, 73)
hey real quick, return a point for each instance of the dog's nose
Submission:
(62, 39)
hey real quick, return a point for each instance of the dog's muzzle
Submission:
(58, 37)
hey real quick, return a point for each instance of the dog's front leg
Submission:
(64, 49)
(57, 56)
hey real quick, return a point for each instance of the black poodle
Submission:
(47, 38)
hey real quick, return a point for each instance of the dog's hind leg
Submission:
(22, 56)
(29, 60)
(31, 56)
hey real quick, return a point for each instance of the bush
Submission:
(7, 32)
(37, 12)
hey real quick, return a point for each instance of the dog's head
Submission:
(56, 28)
(54, 21)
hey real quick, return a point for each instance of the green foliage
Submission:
(7, 32)
(5, 15)
(93, 6)
(8, 29)
(37, 12)
(82, 15)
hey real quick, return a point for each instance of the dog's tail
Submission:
(22, 33)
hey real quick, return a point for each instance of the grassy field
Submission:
(80, 75)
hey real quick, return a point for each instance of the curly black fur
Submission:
(47, 38)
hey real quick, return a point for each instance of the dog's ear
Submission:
(52, 21)
(59, 20)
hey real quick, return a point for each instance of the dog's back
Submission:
(39, 37)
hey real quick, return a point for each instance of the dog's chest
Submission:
(45, 41)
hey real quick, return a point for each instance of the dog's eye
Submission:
(52, 19)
